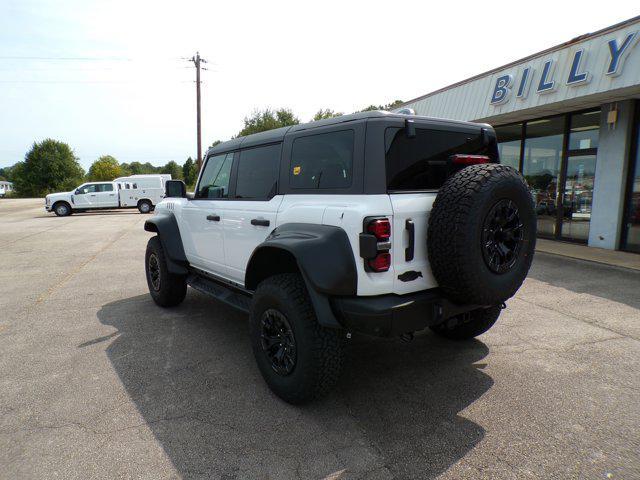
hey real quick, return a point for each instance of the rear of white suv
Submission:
(372, 223)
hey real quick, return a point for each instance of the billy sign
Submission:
(618, 50)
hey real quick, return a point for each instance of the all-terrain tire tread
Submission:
(173, 288)
(328, 344)
(448, 250)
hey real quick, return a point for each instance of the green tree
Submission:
(104, 168)
(388, 106)
(216, 142)
(326, 113)
(49, 166)
(263, 120)
(190, 172)
(173, 168)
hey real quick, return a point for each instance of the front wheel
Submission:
(166, 288)
(62, 209)
(299, 359)
(469, 324)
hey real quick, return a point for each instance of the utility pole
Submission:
(197, 60)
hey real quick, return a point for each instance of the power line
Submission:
(123, 82)
(115, 59)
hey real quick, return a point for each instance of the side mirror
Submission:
(175, 189)
(77, 191)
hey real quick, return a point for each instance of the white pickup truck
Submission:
(136, 191)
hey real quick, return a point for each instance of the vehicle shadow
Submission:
(617, 284)
(132, 211)
(190, 372)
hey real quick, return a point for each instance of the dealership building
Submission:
(569, 119)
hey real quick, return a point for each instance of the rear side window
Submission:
(322, 161)
(258, 170)
(421, 162)
(104, 187)
(214, 181)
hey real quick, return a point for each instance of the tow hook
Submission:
(406, 337)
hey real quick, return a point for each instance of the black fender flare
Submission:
(166, 226)
(323, 255)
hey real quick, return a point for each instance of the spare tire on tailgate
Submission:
(482, 234)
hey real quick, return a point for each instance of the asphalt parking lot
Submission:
(98, 382)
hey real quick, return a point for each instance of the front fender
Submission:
(166, 227)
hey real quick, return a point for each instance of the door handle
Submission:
(92, 195)
(409, 251)
(260, 222)
(213, 218)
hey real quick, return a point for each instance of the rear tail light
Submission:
(380, 228)
(467, 160)
(375, 244)
(381, 262)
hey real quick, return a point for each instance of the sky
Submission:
(112, 77)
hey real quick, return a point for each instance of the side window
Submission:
(322, 161)
(258, 172)
(214, 181)
(88, 189)
(104, 187)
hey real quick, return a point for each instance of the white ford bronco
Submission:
(377, 223)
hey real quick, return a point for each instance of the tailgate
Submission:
(411, 209)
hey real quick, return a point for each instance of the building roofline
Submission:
(560, 46)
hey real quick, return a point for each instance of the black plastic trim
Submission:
(323, 254)
(393, 315)
(166, 227)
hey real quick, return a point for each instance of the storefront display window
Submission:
(541, 168)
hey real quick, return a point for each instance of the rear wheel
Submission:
(144, 206)
(62, 209)
(299, 359)
(469, 324)
(166, 289)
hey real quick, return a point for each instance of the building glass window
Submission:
(585, 130)
(631, 240)
(577, 195)
(541, 168)
(509, 142)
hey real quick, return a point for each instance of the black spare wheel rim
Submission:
(278, 342)
(502, 235)
(154, 271)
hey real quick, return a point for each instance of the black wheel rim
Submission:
(154, 271)
(278, 342)
(502, 236)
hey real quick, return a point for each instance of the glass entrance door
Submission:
(578, 173)
(577, 197)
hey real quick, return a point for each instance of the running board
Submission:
(220, 292)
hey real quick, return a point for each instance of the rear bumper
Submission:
(393, 315)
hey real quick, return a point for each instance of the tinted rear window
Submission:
(420, 163)
(322, 161)
(258, 172)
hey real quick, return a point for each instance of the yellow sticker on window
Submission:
(296, 170)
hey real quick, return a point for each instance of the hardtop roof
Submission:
(278, 134)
